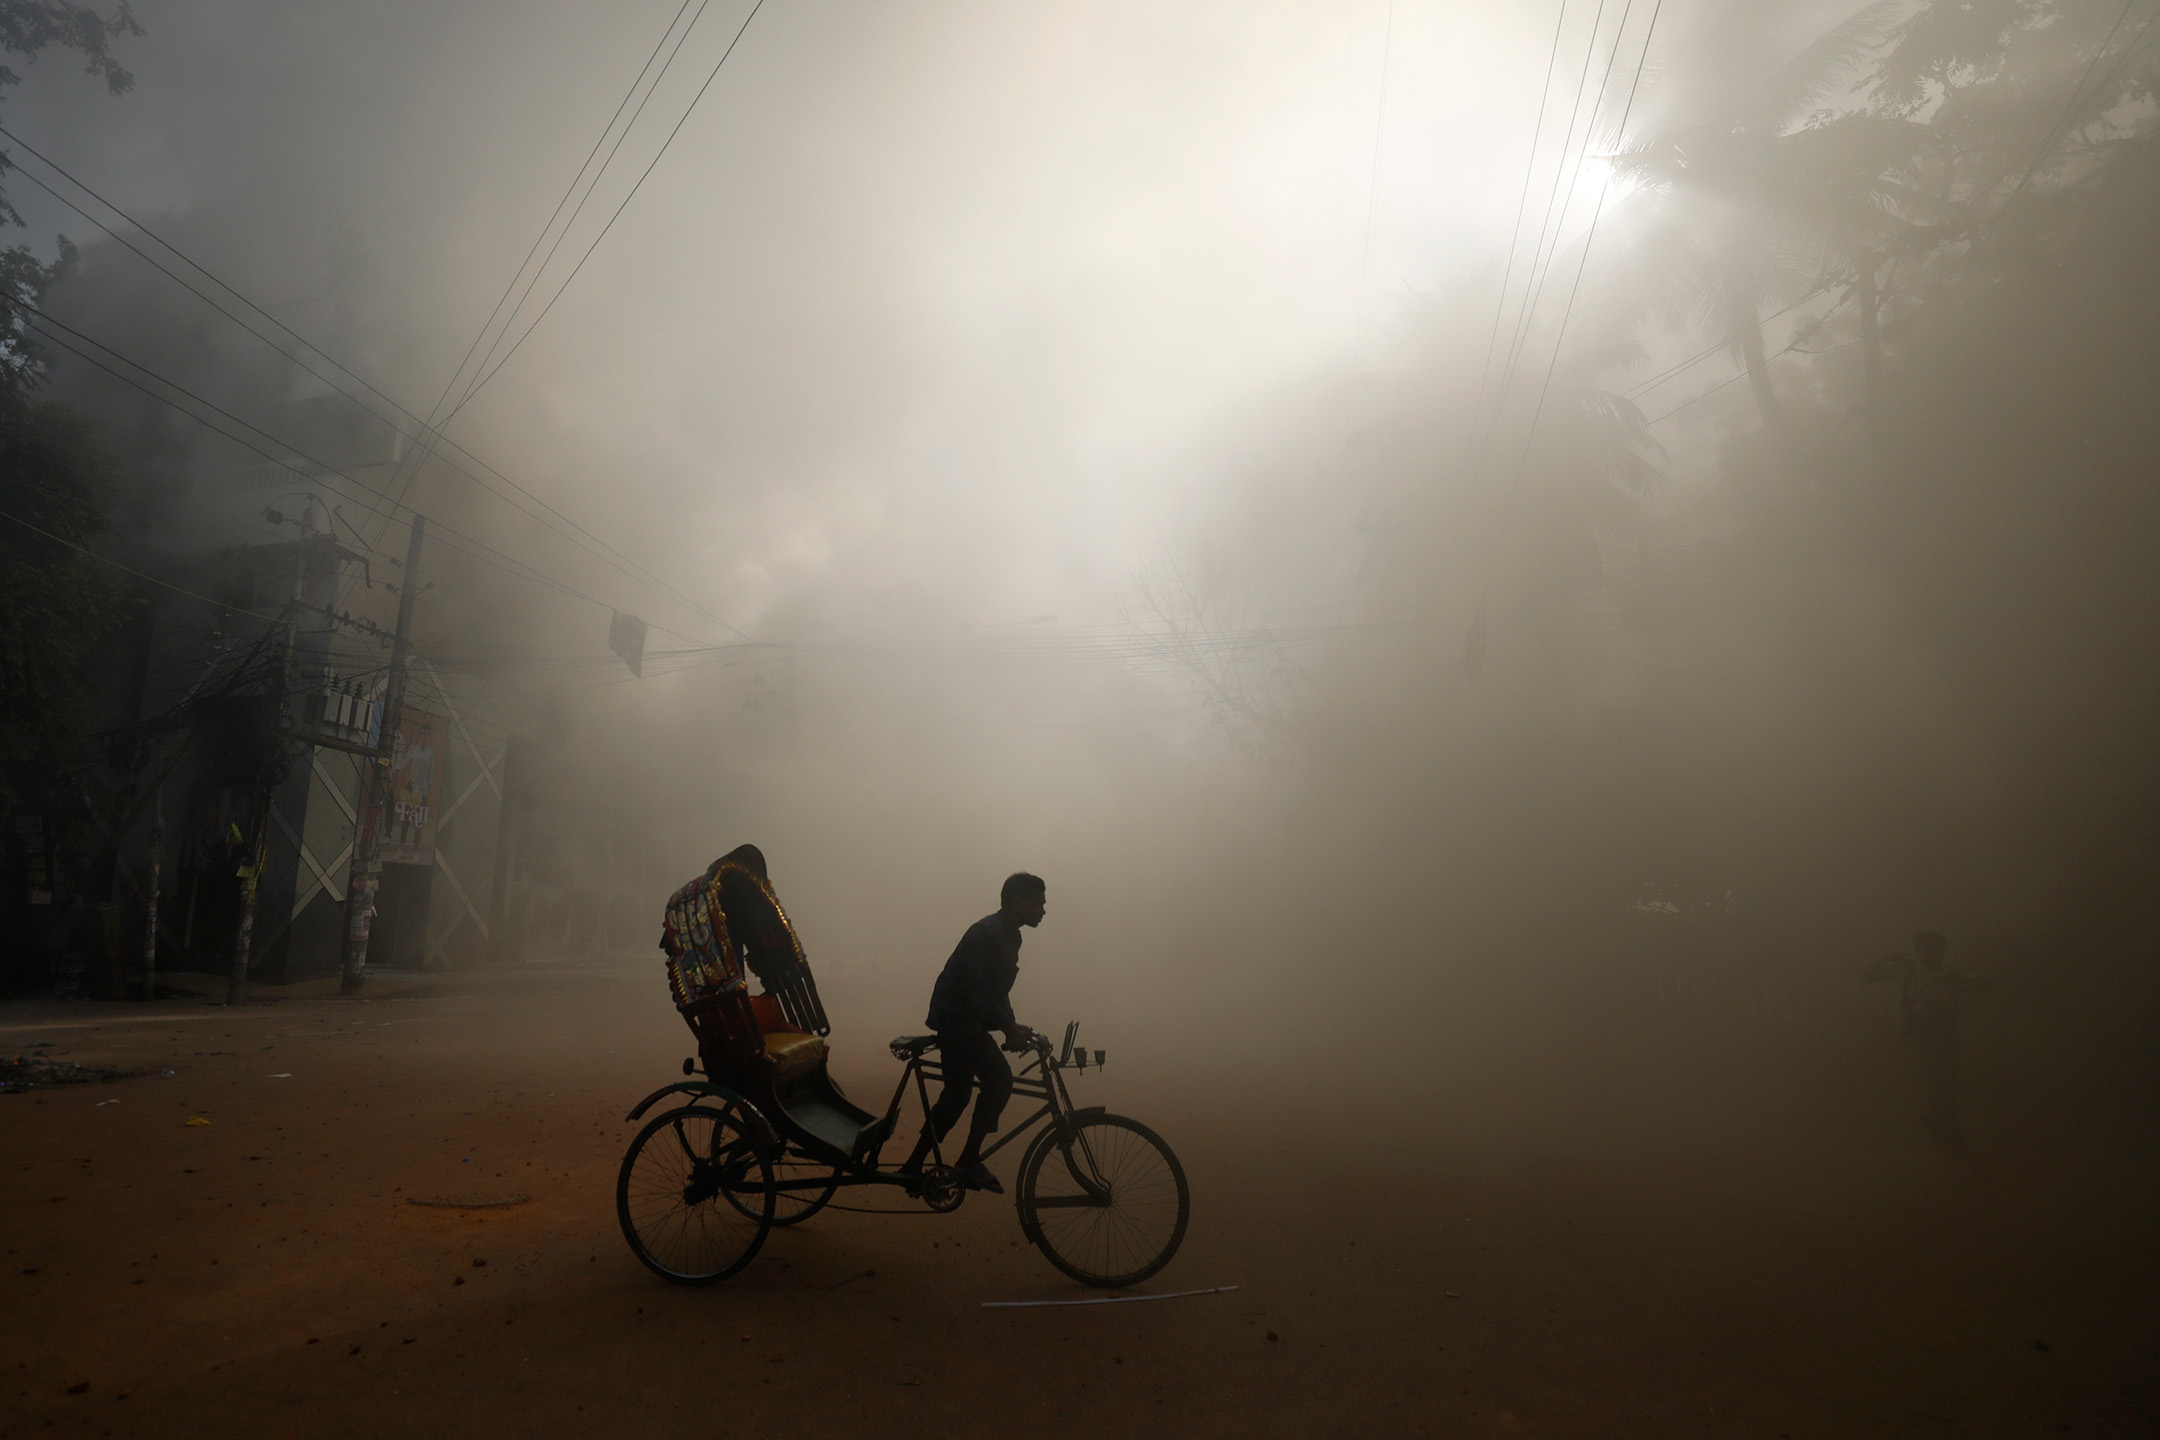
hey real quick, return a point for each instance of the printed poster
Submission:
(405, 822)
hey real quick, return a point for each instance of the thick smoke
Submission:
(1118, 443)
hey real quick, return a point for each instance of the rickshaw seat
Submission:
(793, 1052)
(907, 1047)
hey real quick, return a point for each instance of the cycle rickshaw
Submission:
(766, 1138)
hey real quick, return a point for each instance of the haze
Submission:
(1494, 557)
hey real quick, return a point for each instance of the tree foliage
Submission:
(56, 603)
(1899, 641)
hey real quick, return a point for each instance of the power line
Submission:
(479, 549)
(62, 171)
(1534, 286)
(597, 547)
(1736, 376)
(1522, 203)
(108, 560)
(1589, 238)
(583, 200)
(1560, 336)
(238, 440)
(302, 363)
(402, 487)
(571, 189)
(1978, 226)
(1128, 647)
(2055, 130)
(1643, 387)
(451, 383)
(522, 338)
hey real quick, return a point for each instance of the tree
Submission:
(55, 601)
(1749, 191)
(28, 28)
(1198, 622)
(55, 604)
(2016, 98)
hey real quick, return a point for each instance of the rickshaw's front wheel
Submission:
(1107, 1206)
(695, 1195)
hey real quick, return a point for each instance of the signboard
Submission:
(404, 823)
(626, 637)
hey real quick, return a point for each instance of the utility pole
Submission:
(366, 869)
(157, 861)
(266, 789)
(1871, 396)
(251, 868)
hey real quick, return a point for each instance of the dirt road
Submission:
(1405, 1269)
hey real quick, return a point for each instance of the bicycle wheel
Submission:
(668, 1196)
(1108, 1208)
(791, 1207)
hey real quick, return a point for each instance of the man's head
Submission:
(1929, 945)
(1023, 898)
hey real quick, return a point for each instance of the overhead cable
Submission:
(598, 548)
(583, 200)
(478, 550)
(527, 334)
(429, 426)
(1560, 336)
(1522, 202)
(1556, 201)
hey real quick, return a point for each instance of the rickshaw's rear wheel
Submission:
(792, 1207)
(1109, 1208)
(695, 1196)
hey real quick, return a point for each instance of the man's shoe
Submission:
(978, 1177)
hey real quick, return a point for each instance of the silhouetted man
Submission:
(1932, 994)
(973, 996)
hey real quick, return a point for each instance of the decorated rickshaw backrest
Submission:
(701, 958)
(768, 943)
(729, 916)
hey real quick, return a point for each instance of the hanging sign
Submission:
(626, 637)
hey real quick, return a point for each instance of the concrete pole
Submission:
(157, 865)
(367, 864)
(236, 984)
(251, 869)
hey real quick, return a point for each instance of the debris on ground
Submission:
(28, 1072)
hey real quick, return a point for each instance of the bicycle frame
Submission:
(1040, 1079)
(1047, 1086)
(1037, 1079)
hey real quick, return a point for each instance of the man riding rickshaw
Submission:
(767, 1137)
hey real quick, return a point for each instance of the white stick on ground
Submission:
(1103, 1300)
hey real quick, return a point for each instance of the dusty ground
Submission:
(1810, 1271)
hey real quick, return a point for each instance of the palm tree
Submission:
(1747, 193)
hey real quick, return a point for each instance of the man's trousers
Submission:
(970, 1058)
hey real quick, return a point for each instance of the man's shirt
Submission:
(974, 991)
